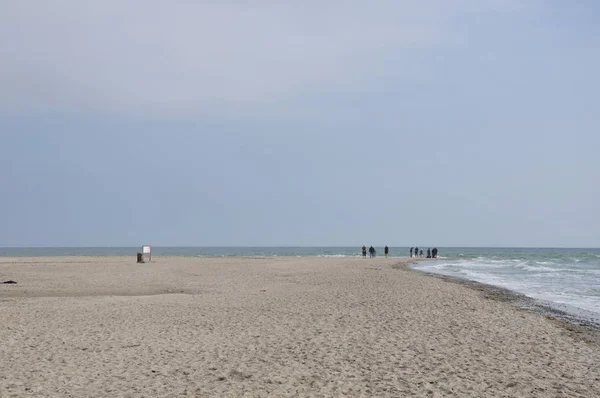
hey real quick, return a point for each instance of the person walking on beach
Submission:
(386, 250)
(411, 251)
(371, 252)
(364, 251)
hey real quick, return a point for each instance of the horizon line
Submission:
(286, 246)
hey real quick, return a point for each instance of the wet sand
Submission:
(107, 327)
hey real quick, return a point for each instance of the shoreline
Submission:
(584, 324)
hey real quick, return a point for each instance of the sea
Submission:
(567, 278)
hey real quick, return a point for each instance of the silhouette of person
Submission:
(411, 251)
(386, 250)
(371, 252)
(364, 251)
(429, 253)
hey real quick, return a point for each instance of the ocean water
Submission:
(568, 277)
(198, 251)
(190, 251)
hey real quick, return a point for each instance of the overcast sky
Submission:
(200, 123)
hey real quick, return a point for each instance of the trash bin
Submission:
(140, 258)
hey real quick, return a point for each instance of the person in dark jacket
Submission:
(386, 251)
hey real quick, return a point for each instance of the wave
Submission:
(537, 268)
(592, 292)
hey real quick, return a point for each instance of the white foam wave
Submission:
(535, 268)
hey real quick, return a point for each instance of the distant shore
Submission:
(277, 326)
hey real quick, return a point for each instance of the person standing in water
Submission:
(429, 253)
(411, 251)
(386, 250)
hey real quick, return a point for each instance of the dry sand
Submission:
(107, 327)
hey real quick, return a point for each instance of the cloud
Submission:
(186, 56)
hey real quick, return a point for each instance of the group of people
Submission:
(373, 252)
(419, 253)
(413, 250)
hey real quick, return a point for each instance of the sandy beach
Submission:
(203, 327)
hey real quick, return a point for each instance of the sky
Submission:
(271, 123)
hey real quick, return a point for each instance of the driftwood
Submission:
(9, 283)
